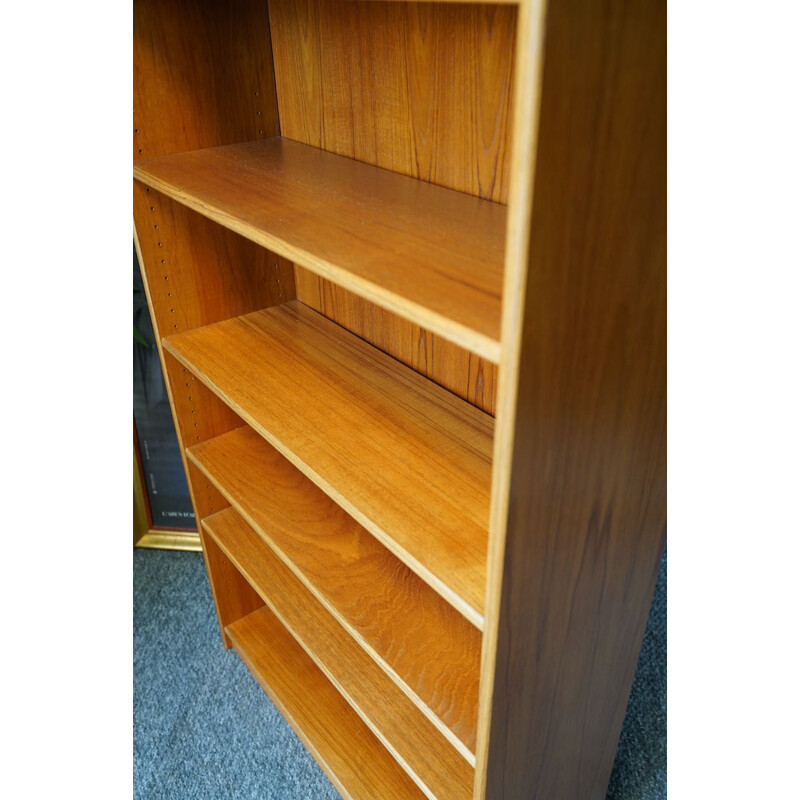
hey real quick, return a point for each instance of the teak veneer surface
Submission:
(234, 597)
(409, 628)
(571, 582)
(196, 273)
(410, 461)
(432, 255)
(423, 89)
(460, 371)
(355, 761)
(188, 92)
(437, 768)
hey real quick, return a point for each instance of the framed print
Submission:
(163, 514)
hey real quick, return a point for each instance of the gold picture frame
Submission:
(144, 534)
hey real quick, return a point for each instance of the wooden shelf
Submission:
(430, 254)
(408, 460)
(429, 649)
(358, 765)
(436, 767)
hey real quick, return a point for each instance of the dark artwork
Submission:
(167, 491)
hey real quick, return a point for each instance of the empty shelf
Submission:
(358, 765)
(423, 642)
(410, 461)
(430, 254)
(436, 766)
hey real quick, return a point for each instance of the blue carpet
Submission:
(204, 729)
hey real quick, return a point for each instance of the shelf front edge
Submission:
(290, 246)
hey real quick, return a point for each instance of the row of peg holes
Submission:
(278, 281)
(211, 498)
(258, 114)
(193, 411)
(163, 260)
(189, 382)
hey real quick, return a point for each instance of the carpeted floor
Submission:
(204, 729)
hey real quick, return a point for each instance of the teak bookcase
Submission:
(406, 263)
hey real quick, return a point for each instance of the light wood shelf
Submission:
(429, 649)
(432, 762)
(355, 761)
(430, 254)
(408, 460)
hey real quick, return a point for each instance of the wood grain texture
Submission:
(429, 649)
(202, 75)
(196, 273)
(355, 761)
(234, 597)
(208, 497)
(586, 518)
(408, 460)
(461, 372)
(527, 85)
(433, 764)
(420, 89)
(429, 254)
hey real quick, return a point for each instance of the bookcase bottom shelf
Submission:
(351, 756)
(397, 723)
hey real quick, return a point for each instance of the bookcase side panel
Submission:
(574, 561)
(203, 75)
(234, 597)
(197, 273)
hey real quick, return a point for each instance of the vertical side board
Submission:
(197, 273)
(190, 93)
(579, 515)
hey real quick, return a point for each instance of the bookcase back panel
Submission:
(202, 75)
(420, 89)
(456, 369)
